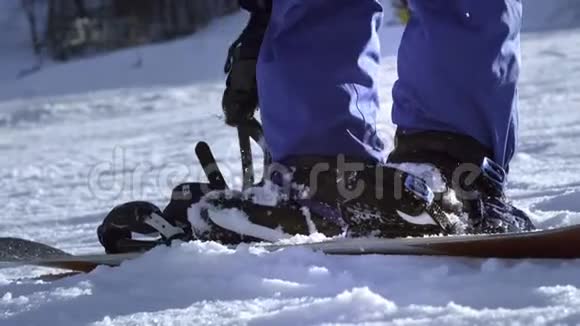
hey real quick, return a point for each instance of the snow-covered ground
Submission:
(77, 139)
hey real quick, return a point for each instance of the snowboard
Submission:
(558, 243)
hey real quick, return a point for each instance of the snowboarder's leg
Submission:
(455, 104)
(459, 63)
(317, 78)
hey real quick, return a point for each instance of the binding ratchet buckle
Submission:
(420, 189)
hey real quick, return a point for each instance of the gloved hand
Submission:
(240, 99)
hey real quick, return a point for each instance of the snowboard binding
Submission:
(299, 210)
(139, 226)
(139, 217)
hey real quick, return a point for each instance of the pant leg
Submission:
(317, 78)
(458, 66)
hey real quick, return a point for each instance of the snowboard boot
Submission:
(372, 199)
(233, 217)
(324, 195)
(261, 213)
(309, 195)
(471, 185)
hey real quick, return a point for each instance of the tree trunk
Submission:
(28, 6)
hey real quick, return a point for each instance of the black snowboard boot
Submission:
(473, 185)
(372, 199)
(323, 195)
(264, 212)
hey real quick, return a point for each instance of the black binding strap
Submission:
(209, 166)
(252, 130)
(246, 154)
(249, 130)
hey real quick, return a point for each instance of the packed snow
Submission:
(78, 138)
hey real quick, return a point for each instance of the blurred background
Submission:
(63, 30)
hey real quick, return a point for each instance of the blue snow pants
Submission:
(458, 64)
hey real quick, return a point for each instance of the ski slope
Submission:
(78, 138)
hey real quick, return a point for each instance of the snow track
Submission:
(100, 131)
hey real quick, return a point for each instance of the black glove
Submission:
(240, 99)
